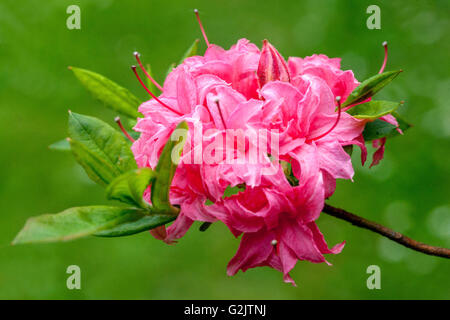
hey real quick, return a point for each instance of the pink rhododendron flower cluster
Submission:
(296, 103)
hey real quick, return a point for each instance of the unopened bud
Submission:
(271, 65)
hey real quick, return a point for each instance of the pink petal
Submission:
(379, 153)
(319, 240)
(253, 250)
(186, 92)
(334, 160)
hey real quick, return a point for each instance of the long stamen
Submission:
(220, 113)
(151, 94)
(137, 56)
(385, 45)
(201, 27)
(338, 100)
(119, 123)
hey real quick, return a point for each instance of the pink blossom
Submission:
(294, 102)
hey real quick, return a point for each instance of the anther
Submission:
(151, 94)
(385, 45)
(201, 27)
(338, 100)
(137, 56)
(119, 123)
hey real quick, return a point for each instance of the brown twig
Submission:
(386, 232)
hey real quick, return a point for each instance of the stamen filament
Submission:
(201, 27)
(385, 45)
(151, 94)
(137, 56)
(119, 123)
(338, 100)
(220, 113)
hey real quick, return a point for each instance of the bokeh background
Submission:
(409, 191)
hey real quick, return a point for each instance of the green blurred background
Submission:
(409, 191)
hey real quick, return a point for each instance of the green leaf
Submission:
(380, 129)
(192, 51)
(370, 87)
(165, 169)
(97, 168)
(110, 93)
(130, 186)
(402, 124)
(102, 151)
(141, 223)
(74, 223)
(373, 109)
(61, 145)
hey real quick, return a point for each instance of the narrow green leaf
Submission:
(74, 223)
(373, 109)
(61, 145)
(139, 224)
(97, 144)
(370, 87)
(110, 93)
(192, 51)
(130, 186)
(165, 169)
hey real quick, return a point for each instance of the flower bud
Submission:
(271, 65)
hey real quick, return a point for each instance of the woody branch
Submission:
(386, 232)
